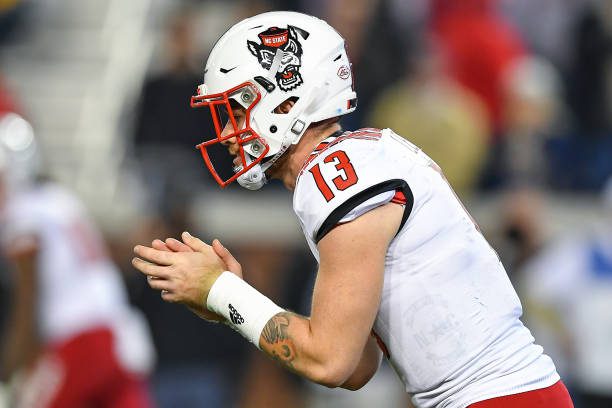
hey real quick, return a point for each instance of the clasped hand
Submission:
(185, 271)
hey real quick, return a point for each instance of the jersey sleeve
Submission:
(367, 205)
(344, 181)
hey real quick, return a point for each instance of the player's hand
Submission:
(232, 264)
(173, 245)
(193, 243)
(170, 245)
(184, 276)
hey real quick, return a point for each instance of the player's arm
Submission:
(333, 346)
(328, 347)
(21, 342)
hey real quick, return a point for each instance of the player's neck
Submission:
(289, 170)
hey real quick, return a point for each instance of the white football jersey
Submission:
(449, 318)
(79, 287)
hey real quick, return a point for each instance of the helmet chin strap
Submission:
(255, 178)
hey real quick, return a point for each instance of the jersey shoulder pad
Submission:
(339, 175)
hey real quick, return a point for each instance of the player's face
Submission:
(240, 116)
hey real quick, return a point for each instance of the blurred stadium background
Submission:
(513, 98)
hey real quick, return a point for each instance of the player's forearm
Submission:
(21, 344)
(289, 339)
(324, 350)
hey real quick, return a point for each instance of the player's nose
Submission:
(231, 144)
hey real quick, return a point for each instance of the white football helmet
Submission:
(261, 62)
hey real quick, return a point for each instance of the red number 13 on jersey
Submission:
(346, 177)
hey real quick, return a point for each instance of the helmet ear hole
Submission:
(285, 106)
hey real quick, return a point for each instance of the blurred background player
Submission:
(73, 340)
(568, 287)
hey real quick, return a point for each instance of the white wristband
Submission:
(247, 311)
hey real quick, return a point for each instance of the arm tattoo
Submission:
(276, 340)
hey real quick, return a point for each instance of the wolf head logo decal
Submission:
(286, 40)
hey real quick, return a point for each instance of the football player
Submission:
(404, 271)
(72, 339)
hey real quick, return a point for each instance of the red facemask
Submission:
(220, 107)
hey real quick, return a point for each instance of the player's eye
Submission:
(238, 115)
(222, 115)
